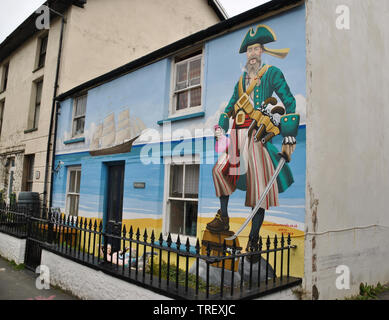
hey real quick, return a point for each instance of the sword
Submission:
(264, 194)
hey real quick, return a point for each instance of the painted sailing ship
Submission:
(109, 139)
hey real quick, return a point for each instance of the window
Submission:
(37, 105)
(4, 79)
(2, 104)
(11, 177)
(187, 84)
(28, 172)
(182, 198)
(73, 190)
(42, 51)
(79, 115)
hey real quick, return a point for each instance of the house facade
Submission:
(171, 99)
(148, 150)
(94, 37)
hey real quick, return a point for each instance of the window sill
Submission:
(183, 117)
(37, 69)
(74, 140)
(30, 130)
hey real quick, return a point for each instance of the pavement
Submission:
(20, 285)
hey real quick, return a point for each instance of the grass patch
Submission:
(14, 265)
(182, 277)
(369, 292)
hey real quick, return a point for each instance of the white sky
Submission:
(14, 12)
(234, 7)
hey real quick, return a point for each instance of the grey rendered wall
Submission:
(347, 146)
(12, 248)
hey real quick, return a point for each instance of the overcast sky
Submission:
(14, 12)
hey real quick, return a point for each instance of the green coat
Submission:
(273, 81)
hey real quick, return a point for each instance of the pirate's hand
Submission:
(288, 146)
(219, 132)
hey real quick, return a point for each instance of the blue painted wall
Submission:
(146, 93)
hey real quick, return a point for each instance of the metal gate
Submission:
(37, 234)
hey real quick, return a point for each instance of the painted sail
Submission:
(139, 126)
(108, 136)
(123, 127)
(108, 139)
(96, 139)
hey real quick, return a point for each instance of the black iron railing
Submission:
(13, 220)
(173, 268)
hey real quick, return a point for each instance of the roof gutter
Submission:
(218, 8)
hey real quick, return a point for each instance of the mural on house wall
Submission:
(248, 158)
(109, 138)
(137, 106)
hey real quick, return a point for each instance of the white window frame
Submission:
(39, 51)
(74, 117)
(69, 170)
(186, 160)
(37, 105)
(173, 92)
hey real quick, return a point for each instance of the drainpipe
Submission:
(57, 112)
(54, 112)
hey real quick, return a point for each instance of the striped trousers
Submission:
(248, 157)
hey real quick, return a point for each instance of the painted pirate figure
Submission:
(248, 164)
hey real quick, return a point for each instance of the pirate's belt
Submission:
(243, 106)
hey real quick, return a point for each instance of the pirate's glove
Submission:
(288, 146)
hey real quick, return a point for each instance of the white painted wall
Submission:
(106, 35)
(347, 146)
(12, 248)
(287, 294)
(87, 283)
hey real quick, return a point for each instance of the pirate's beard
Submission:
(253, 68)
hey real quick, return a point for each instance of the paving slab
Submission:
(21, 285)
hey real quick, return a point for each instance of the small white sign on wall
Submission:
(139, 185)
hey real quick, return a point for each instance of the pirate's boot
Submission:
(252, 246)
(219, 223)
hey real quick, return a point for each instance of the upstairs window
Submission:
(79, 110)
(37, 106)
(42, 51)
(187, 84)
(4, 78)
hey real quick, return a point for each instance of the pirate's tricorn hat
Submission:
(262, 35)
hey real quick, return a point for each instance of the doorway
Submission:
(114, 209)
